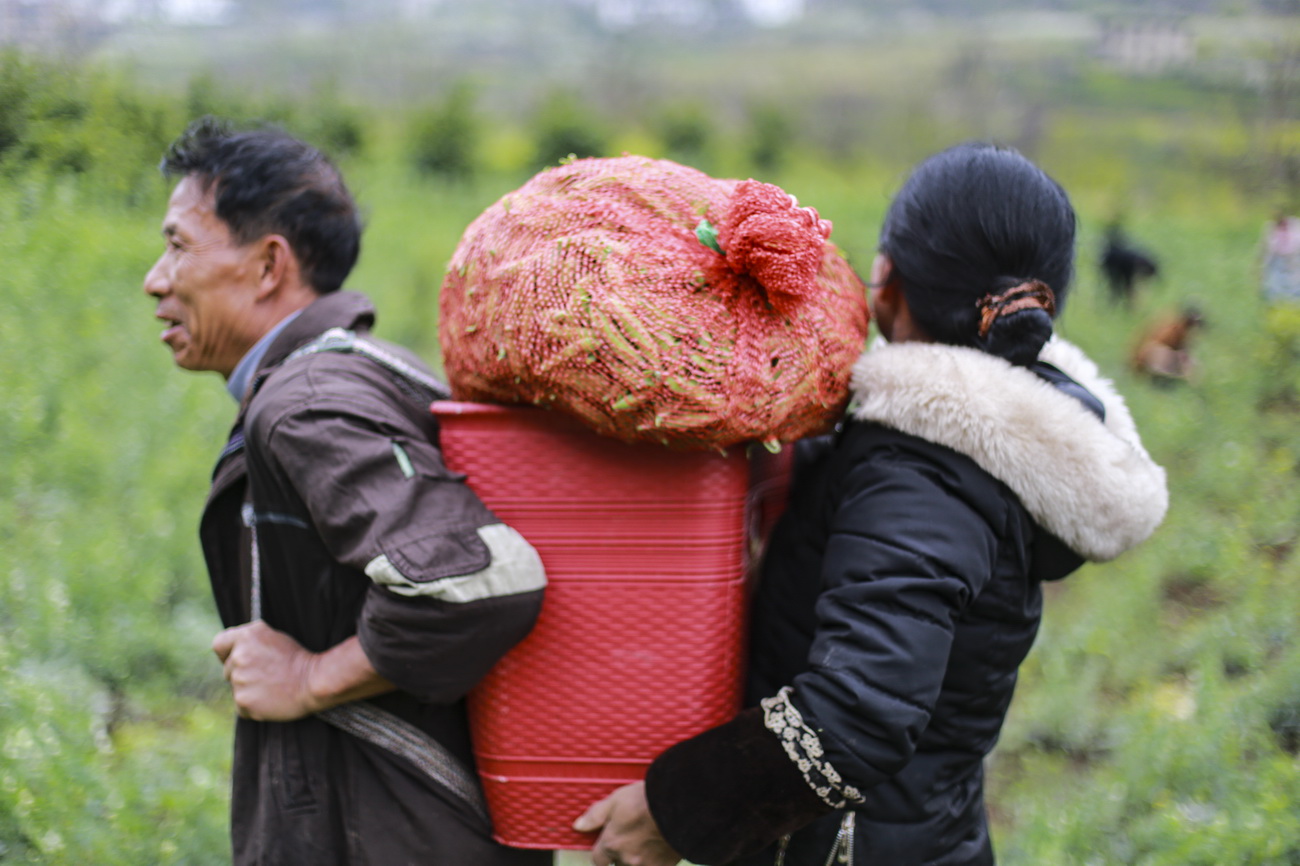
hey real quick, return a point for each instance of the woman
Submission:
(902, 588)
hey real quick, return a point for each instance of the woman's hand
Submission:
(629, 836)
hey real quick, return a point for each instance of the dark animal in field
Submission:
(1125, 266)
(1164, 351)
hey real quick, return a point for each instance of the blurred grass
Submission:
(1155, 718)
(1158, 719)
(104, 752)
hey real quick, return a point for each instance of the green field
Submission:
(1158, 718)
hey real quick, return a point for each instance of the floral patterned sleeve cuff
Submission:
(804, 748)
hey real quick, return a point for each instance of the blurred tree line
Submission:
(512, 86)
(57, 118)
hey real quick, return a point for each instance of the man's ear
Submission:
(277, 263)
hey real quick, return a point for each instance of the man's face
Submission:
(205, 283)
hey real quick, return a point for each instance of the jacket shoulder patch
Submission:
(512, 567)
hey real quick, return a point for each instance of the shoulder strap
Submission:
(381, 728)
(363, 719)
(343, 340)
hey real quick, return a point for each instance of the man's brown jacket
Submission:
(360, 530)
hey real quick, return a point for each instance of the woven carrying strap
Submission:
(343, 340)
(363, 719)
(383, 729)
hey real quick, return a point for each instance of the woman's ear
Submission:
(889, 307)
(883, 295)
(882, 271)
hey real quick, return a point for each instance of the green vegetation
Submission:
(111, 748)
(564, 128)
(1158, 719)
(444, 137)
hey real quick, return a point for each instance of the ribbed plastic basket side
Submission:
(652, 662)
(557, 726)
(641, 637)
(536, 812)
(528, 455)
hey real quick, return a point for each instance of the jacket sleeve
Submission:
(904, 557)
(452, 588)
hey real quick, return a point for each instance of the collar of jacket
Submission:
(339, 309)
(350, 310)
(1088, 482)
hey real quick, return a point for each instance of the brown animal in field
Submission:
(1164, 351)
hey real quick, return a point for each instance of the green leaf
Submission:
(708, 236)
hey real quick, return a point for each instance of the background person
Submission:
(902, 588)
(376, 572)
(1280, 253)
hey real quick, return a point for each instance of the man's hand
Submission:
(275, 679)
(630, 836)
(269, 672)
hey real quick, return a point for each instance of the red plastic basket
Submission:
(640, 642)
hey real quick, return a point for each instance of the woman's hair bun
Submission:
(1015, 322)
(977, 220)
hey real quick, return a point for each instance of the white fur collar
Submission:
(1092, 485)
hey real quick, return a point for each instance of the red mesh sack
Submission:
(655, 303)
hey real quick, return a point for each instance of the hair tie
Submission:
(1028, 295)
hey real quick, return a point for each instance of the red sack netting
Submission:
(600, 288)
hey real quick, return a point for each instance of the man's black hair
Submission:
(265, 181)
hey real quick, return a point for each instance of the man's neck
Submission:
(237, 384)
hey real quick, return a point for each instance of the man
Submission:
(346, 561)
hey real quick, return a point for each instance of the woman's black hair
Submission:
(265, 181)
(973, 221)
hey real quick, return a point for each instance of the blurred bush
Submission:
(687, 133)
(770, 136)
(445, 138)
(563, 126)
(332, 125)
(57, 121)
